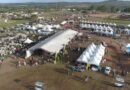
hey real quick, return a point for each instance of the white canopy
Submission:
(128, 25)
(95, 61)
(28, 41)
(39, 26)
(63, 22)
(82, 59)
(47, 28)
(54, 43)
(56, 26)
(92, 55)
(127, 45)
(33, 28)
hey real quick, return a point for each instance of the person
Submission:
(19, 63)
(1, 62)
(88, 67)
(68, 72)
(24, 63)
(114, 72)
(86, 78)
(123, 72)
(79, 48)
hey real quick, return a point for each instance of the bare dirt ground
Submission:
(55, 76)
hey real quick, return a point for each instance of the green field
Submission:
(118, 21)
(11, 23)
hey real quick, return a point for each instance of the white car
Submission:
(107, 70)
(119, 82)
(39, 85)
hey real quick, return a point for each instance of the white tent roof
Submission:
(128, 25)
(96, 30)
(127, 45)
(56, 26)
(33, 28)
(28, 41)
(83, 59)
(95, 61)
(91, 49)
(127, 30)
(47, 28)
(39, 26)
(92, 57)
(54, 43)
(63, 22)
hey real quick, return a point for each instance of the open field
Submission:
(11, 23)
(108, 17)
(55, 76)
(103, 15)
(59, 69)
(117, 21)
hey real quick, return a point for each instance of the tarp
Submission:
(54, 43)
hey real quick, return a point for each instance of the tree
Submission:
(113, 0)
(102, 8)
(34, 17)
(114, 9)
(127, 9)
(92, 7)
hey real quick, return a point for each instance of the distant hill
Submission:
(108, 3)
(117, 3)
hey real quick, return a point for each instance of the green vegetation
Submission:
(10, 23)
(105, 6)
(118, 21)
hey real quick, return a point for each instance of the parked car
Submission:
(107, 70)
(78, 68)
(119, 82)
(39, 85)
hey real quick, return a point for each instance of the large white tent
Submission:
(98, 27)
(92, 55)
(95, 61)
(54, 43)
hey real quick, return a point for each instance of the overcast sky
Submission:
(14, 1)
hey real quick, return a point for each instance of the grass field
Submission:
(106, 17)
(11, 23)
(118, 21)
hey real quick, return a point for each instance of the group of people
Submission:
(24, 63)
(9, 44)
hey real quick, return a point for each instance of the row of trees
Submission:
(104, 8)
